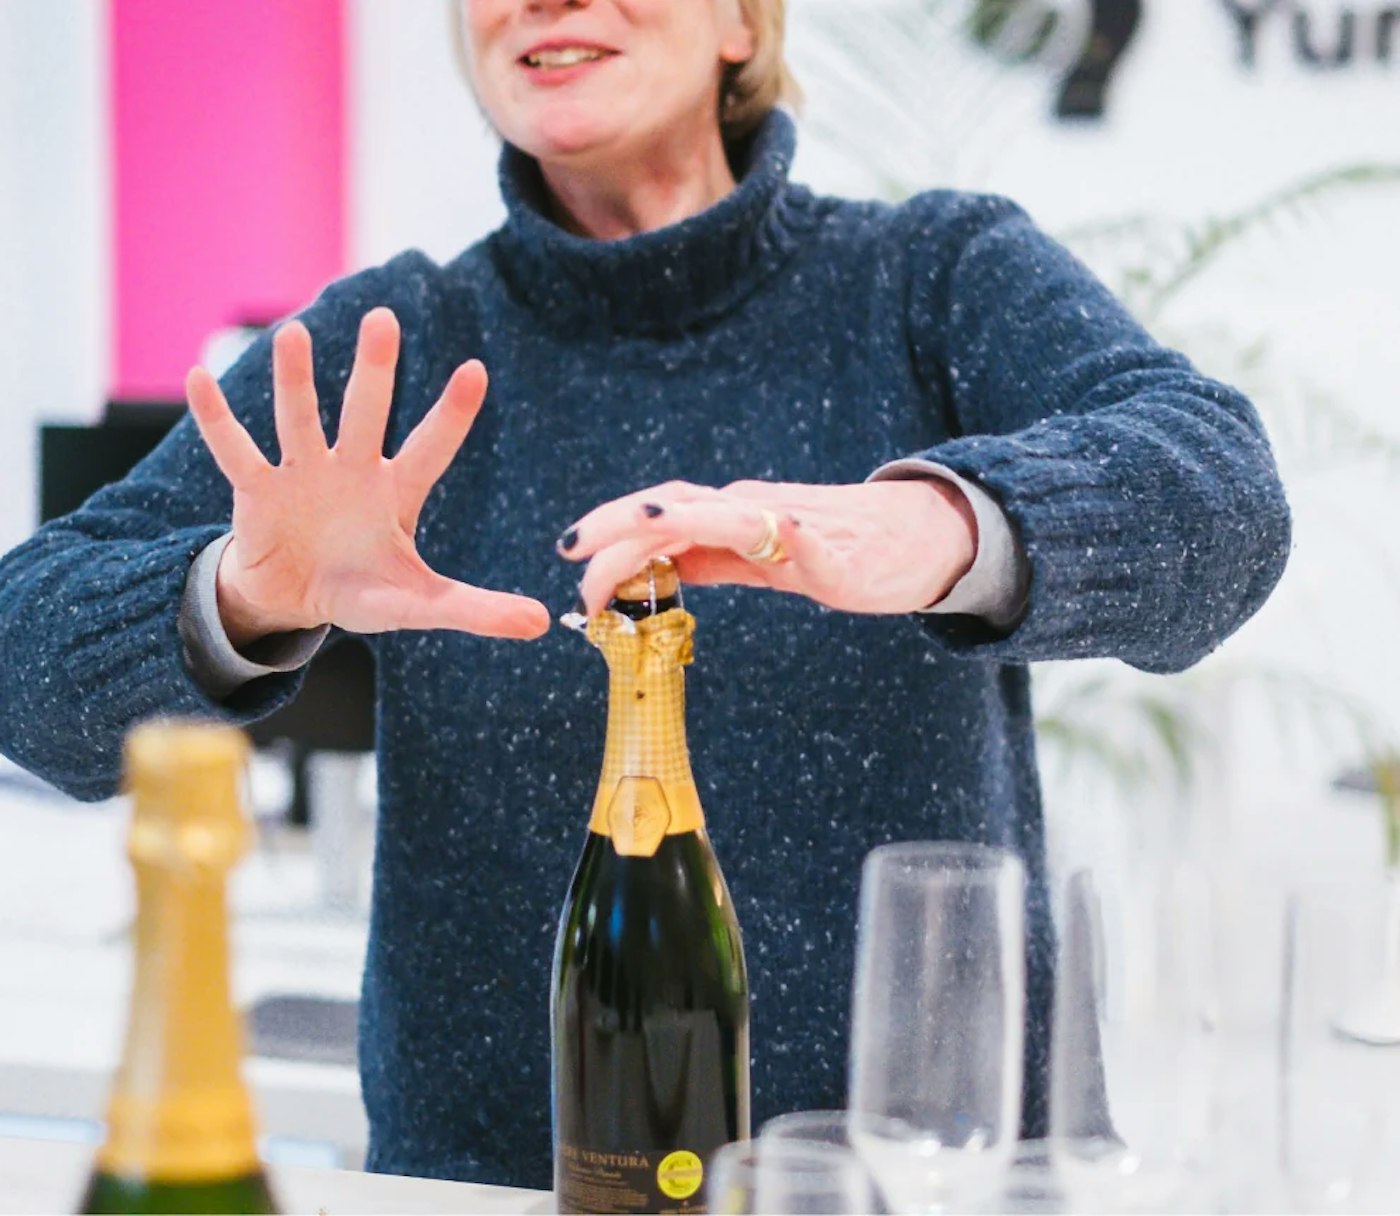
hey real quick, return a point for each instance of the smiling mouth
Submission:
(564, 57)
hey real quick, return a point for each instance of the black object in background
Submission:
(76, 460)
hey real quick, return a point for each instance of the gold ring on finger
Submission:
(769, 551)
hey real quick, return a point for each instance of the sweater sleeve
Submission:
(90, 642)
(220, 667)
(1144, 494)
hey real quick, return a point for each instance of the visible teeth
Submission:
(565, 58)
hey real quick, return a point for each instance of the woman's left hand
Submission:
(883, 547)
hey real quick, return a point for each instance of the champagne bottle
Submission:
(650, 1003)
(180, 1127)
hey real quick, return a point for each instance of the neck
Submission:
(670, 279)
(667, 181)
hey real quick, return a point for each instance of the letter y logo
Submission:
(1098, 33)
(1111, 29)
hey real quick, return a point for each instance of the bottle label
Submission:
(626, 1182)
(638, 816)
(642, 812)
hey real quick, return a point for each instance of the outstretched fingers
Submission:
(296, 412)
(233, 449)
(369, 393)
(435, 441)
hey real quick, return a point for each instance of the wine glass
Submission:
(791, 1176)
(1339, 1048)
(938, 1019)
(848, 1129)
(810, 1126)
(1133, 1050)
(1029, 1185)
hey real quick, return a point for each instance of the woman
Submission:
(661, 314)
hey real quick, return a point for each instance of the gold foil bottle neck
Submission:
(179, 1111)
(646, 791)
(184, 778)
(656, 645)
(165, 754)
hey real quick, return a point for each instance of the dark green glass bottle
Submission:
(181, 1136)
(106, 1193)
(650, 1005)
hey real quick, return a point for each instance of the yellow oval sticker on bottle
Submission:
(680, 1174)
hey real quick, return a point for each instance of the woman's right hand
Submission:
(327, 535)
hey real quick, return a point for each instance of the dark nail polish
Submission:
(652, 510)
(569, 539)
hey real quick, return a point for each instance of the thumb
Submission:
(444, 603)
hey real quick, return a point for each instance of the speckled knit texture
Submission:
(780, 336)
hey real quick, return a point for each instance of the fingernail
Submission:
(568, 540)
(652, 510)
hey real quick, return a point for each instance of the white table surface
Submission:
(40, 1177)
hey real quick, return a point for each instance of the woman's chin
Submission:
(573, 135)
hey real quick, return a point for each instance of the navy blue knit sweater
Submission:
(778, 335)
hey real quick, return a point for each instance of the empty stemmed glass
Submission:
(1134, 1059)
(1339, 1048)
(938, 1019)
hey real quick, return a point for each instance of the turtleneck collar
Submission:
(666, 280)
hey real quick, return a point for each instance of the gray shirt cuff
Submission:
(997, 584)
(216, 664)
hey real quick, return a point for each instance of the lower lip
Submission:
(553, 77)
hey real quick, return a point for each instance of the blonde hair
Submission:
(748, 90)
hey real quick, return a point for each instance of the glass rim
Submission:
(749, 1154)
(776, 1128)
(932, 858)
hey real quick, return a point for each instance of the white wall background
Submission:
(53, 215)
(423, 159)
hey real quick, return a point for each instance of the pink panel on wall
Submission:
(229, 150)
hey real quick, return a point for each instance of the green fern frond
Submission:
(1072, 743)
(1385, 771)
(1178, 737)
(1207, 241)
